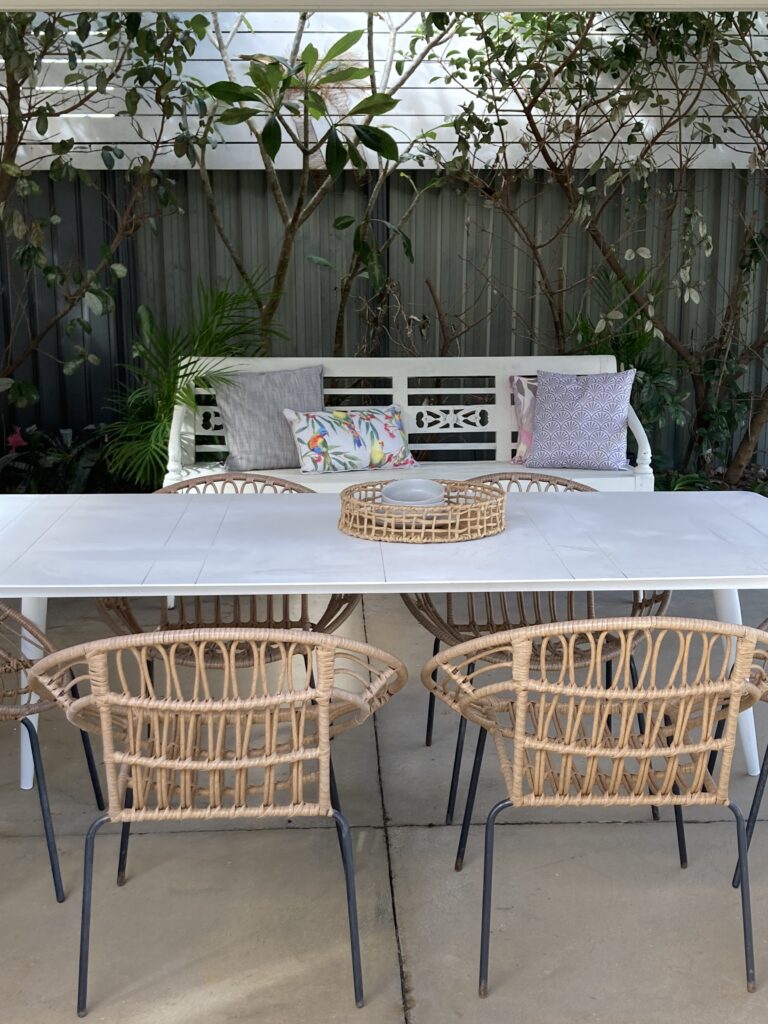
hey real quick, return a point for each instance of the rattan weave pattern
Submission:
(563, 739)
(470, 512)
(21, 645)
(229, 742)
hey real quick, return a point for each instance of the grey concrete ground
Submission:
(593, 919)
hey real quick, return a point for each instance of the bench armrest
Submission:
(643, 444)
(181, 444)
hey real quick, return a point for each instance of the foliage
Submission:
(221, 323)
(596, 104)
(656, 394)
(325, 106)
(54, 65)
(57, 462)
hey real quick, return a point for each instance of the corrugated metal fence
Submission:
(479, 271)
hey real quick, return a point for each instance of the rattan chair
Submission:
(190, 744)
(455, 618)
(21, 645)
(287, 611)
(548, 713)
(762, 780)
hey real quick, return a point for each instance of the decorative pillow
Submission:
(581, 421)
(524, 395)
(344, 440)
(251, 406)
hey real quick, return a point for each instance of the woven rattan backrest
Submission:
(21, 644)
(563, 738)
(236, 483)
(531, 483)
(247, 739)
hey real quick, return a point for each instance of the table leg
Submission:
(728, 609)
(36, 610)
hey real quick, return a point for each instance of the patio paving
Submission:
(593, 919)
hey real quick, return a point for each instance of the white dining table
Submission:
(97, 545)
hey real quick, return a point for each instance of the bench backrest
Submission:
(454, 409)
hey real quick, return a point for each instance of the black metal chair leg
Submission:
(92, 770)
(634, 678)
(345, 843)
(336, 804)
(680, 827)
(679, 822)
(458, 753)
(746, 905)
(455, 771)
(432, 699)
(754, 809)
(45, 808)
(485, 928)
(608, 685)
(90, 760)
(85, 918)
(125, 835)
(470, 804)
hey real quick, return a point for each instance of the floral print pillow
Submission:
(524, 399)
(345, 440)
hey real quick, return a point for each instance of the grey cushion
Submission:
(251, 406)
(581, 422)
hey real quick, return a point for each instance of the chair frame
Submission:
(15, 630)
(135, 765)
(741, 680)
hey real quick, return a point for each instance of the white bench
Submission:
(458, 413)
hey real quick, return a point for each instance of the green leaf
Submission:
(376, 276)
(345, 221)
(309, 57)
(108, 157)
(335, 154)
(41, 126)
(316, 104)
(6, 383)
(357, 160)
(94, 303)
(231, 92)
(18, 224)
(342, 45)
(132, 101)
(271, 137)
(236, 115)
(320, 261)
(119, 270)
(344, 75)
(199, 24)
(379, 103)
(377, 140)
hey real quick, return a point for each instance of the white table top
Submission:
(161, 544)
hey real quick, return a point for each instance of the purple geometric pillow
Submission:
(580, 422)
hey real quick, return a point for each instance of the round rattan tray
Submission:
(470, 511)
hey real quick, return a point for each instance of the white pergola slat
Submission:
(407, 5)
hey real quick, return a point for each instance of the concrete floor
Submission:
(593, 919)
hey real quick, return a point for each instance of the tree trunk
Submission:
(278, 281)
(746, 449)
